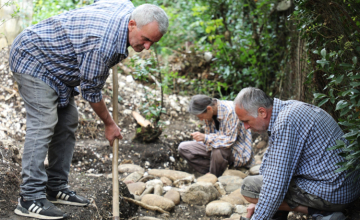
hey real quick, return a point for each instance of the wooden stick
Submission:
(148, 207)
(140, 119)
(115, 172)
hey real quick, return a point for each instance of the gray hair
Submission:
(147, 13)
(251, 99)
(198, 104)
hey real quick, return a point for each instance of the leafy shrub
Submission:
(45, 9)
(333, 32)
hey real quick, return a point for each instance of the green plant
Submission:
(333, 32)
(146, 70)
(15, 12)
(46, 9)
(344, 92)
(151, 108)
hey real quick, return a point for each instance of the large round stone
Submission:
(231, 183)
(159, 201)
(235, 173)
(207, 178)
(173, 195)
(166, 181)
(136, 188)
(255, 170)
(233, 200)
(171, 174)
(130, 168)
(133, 177)
(218, 208)
(200, 194)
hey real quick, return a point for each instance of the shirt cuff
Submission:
(206, 139)
(92, 97)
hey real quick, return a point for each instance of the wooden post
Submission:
(115, 172)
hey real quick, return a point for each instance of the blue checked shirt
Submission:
(75, 48)
(231, 133)
(300, 135)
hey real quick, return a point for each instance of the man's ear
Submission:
(262, 112)
(208, 108)
(132, 25)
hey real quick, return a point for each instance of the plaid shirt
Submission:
(75, 48)
(232, 133)
(300, 135)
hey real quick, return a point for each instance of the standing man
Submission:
(49, 60)
(297, 171)
(225, 142)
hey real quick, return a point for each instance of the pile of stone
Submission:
(168, 188)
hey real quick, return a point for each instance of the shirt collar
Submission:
(275, 111)
(220, 112)
(123, 36)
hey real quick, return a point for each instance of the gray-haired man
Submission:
(225, 142)
(297, 171)
(49, 60)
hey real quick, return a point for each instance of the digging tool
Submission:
(115, 173)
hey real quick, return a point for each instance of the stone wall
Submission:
(12, 27)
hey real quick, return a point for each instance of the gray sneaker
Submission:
(40, 208)
(334, 216)
(67, 197)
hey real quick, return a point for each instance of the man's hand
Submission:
(250, 210)
(112, 132)
(198, 136)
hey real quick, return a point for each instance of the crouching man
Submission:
(297, 171)
(225, 142)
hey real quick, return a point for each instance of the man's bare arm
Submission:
(112, 131)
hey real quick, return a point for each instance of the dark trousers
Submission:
(214, 161)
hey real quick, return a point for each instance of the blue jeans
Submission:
(49, 130)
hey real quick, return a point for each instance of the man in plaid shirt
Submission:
(297, 172)
(49, 61)
(225, 142)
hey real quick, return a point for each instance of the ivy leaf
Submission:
(340, 142)
(332, 54)
(341, 169)
(335, 147)
(339, 79)
(341, 104)
(355, 77)
(319, 95)
(355, 155)
(350, 134)
(323, 53)
(355, 84)
(315, 52)
(354, 59)
(332, 100)
(323, 102)
(322, 62)
(346, 66)
(345, 123)
(345, 93)
(344, 111)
